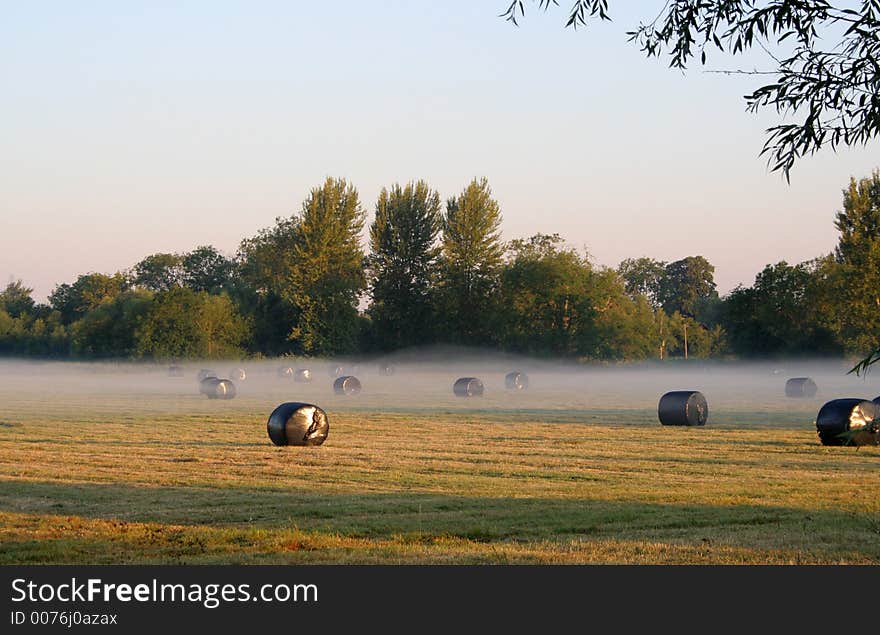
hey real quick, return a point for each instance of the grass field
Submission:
(132, 467)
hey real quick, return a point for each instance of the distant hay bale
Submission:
(336, 371)
(205, 373)
(468, 387)
(799, 387)
(295, 423)
(683, 408)
(175, 371)
(215, 388)
(347, 385)
(286, 372)
(848, 421)
(302, 375)
(238, 374)
(516, 381)
(387, 369)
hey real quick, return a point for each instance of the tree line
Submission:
(437, 272)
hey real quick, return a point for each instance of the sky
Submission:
(128, 129)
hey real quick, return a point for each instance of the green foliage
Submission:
(206, 269)
(470, 264)
(88, 292)
(824, 61)
(327, 276)
(858, 256)
(109, 329)
(643, 276)
(16, 299)
(265, 263)
(686, 283)
(402, 265)
(783, 313)
(544, 290)
(182, 323)
(158, 272)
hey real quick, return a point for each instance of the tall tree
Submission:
(823, 57)
(206, 269)
(643, 276)
(686, 283)
(16, 299)
(158, 272)
(545, 298)
(327, 276)
(471, 259)
(858, 253)
(262, 289)
(402, 264)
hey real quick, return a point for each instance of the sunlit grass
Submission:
(174, 478)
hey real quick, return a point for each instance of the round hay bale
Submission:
(468, 387)
(516, 381)
(205, 373)
(175, 371)
(215, 388)
(849, 421)
(683, 408)
(336, 371)
(285, 372)
(238, 374)
(296, 423)
(798, 387)
(347, 385)
(386, 369)
(302, 375)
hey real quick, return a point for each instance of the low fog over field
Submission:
(738, 393)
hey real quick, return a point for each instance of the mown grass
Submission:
(174, 478)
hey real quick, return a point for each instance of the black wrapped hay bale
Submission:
(302, 375)
(205, 373)
(516, 381)
(215, 388)
(347, 385)
(800, 387)
(238, 374)
(468, 387)
(848, 422)
(296, 423)
(683, 408)
(285, 372)
(175, 371)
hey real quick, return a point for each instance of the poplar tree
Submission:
(402, 264)
(471, 261)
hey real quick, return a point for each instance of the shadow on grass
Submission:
(473, 518)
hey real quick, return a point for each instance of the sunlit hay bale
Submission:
(175, 371)
(800, 387)
(347, 385)
(302, 375)
(683, 408)
(205, 373)
(849, 421)
(285, 372)
(335, 371)
(215, 388)
(296, 423)
(238, 374)
(516, 381)
(386, 369)
(468, 387)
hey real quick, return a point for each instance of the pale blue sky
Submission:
(133, 128)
